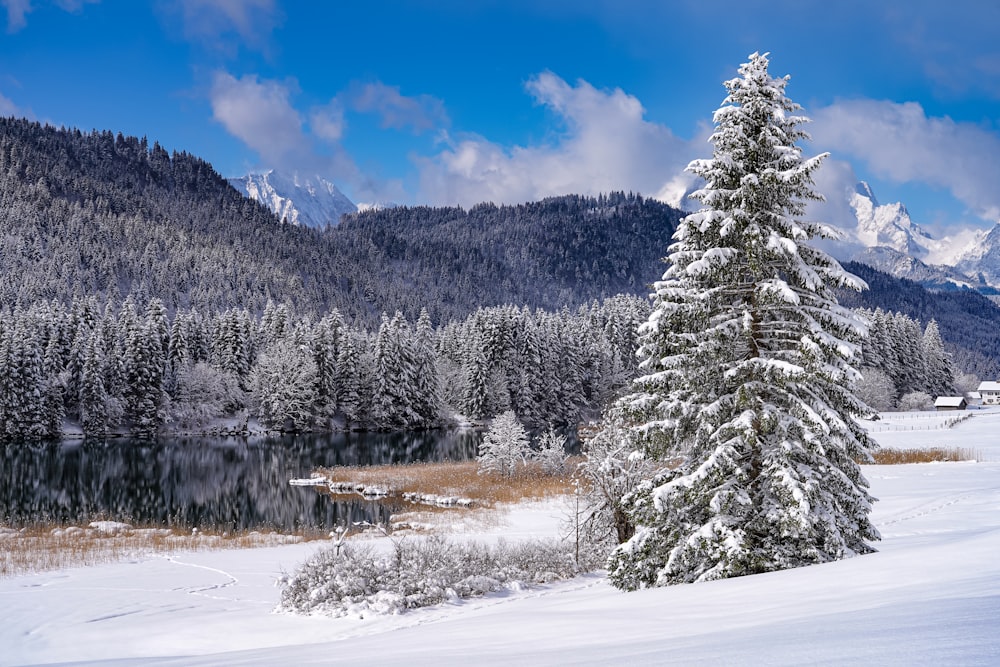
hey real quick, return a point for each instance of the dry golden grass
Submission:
(461, 479)
(43, 548)
(934, 454)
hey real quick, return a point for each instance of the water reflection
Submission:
(210, 483)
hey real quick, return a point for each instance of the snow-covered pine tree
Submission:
(284, 386)
(94, 399)
(907, 345)
(348, 378)
(939, 372)
(393, 401)
(747, 369)
(426, 378)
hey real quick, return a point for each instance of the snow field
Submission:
(930, 596)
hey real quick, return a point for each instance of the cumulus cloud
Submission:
(17, 11)
(607, 144)
(899, 142)
(397, 111)
(208, 21)
(260, 114)
(7, 107)
(327, 122)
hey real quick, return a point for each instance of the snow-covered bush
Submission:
(504, 447)
(916, 400)
(355, 580)
(551, 453)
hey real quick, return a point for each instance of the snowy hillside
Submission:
(312, 201)
(930, 596)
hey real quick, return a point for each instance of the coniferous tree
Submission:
(349, 400)
(747, 370)
(937, 363)
(426, 380)
(95, 412)
(284, 386)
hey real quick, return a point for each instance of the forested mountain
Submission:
(558, 252)
(102, 214)
(969, 322)
(98, 214)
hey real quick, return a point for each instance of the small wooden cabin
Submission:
(950, 403)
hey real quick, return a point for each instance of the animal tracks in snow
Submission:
(202, 590)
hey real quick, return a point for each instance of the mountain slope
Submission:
(969, 322)
(96, 213)
(312, 201)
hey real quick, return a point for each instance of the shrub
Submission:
(915, 401)
(356, 580)
(551, 455)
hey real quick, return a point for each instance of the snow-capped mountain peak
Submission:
(889, 225)
(312, 201)
(865, 190)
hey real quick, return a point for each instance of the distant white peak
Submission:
(295, 198)
(881, 226)
(865, 190)
(888, 225)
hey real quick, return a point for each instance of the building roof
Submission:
(989, 386)
(949, 401)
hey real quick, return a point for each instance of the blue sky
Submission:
(509, 100)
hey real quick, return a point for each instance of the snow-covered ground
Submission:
(930, 596)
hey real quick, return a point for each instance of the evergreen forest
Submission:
(139, 291)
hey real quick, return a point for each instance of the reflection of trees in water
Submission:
(222, 483)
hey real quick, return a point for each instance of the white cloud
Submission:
(260, 114)
(899, 142)
(7, 107)
(398, 111)
(327, 122)
(17, 11)
(606, 145)
(208, 21)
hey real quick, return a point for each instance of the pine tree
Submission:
(747, 360)
(348, 379)
(937, 363)
(284, 386)
(426, 378)
(93, 397)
